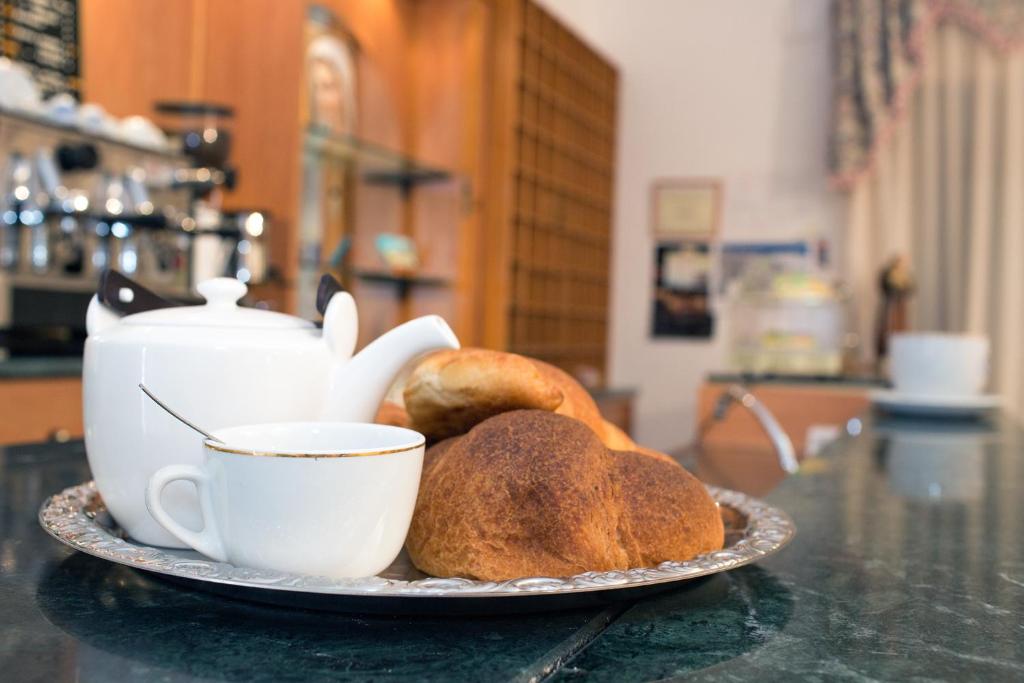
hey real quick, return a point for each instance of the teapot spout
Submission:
(358, 386)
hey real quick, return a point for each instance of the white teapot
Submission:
(222, 365)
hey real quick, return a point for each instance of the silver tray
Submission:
(78, 518)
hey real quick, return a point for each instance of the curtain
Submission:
(879, 53)
(947, 191)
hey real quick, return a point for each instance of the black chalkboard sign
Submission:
(43, 34)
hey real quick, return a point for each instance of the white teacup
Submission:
(938, 364)
(317, 498)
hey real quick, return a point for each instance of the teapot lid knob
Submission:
(221, 291)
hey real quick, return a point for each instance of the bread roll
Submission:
(392, 414)
(525, 493)
(453, 390)
(534, 493)
(577, 401)
(667, 514)
(615, 438)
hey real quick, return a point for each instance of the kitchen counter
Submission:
(908, 562)
(40, 367)
(748, 379)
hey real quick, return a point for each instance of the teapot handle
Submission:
(325, 291)
(126, 296)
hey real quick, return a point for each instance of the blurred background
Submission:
(664, 198)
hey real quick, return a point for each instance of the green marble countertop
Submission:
(908, 564)
(40, 367)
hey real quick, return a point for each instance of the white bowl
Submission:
(62, 108)
(18, 90)
(95, 119)
(141, 131)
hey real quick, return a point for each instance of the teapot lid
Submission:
(220, 310)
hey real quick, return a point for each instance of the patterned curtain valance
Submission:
(878, 63)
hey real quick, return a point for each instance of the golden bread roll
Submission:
(453, 390)
(525, 493)
(616, 439)
(667, 514)
(534, 493)
(392, 414)
(577, 401)
(650, 452)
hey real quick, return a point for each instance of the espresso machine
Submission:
(225, 242)
(76, 200)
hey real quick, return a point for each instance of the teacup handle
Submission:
(206, 541)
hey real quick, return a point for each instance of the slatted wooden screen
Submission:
(564, 170)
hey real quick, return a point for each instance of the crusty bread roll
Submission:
(525, 493)
(667, 514)
(534, 493)
(392, 414)
(615, 438)
(453, 390)
(577, 401)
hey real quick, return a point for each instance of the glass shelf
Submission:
(39, 122)
(376, 164)
(403, 281)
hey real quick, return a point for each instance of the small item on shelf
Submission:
(337, 257)
(398, 253)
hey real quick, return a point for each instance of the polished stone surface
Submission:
(908, 564)
(40, 367)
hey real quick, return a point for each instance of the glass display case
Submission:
(793, 324)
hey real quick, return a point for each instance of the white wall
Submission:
(734, 89)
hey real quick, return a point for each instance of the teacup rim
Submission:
(216, 445)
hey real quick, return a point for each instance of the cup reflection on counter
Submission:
(937, 464)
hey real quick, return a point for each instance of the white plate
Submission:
(928, 405)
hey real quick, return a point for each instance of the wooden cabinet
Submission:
(40, 409)
(497, 91)
(421, 93)
(551, 171)
(800, 408)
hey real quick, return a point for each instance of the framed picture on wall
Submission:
(686, 208)
(332, 53)
(681, 305)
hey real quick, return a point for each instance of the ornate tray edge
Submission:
(65, 517)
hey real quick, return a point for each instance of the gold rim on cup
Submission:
(214, 446)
